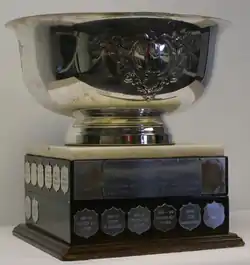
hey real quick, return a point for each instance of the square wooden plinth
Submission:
(66, 252)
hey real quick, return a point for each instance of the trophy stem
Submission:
(118, 127)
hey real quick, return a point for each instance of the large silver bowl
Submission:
(116, 73)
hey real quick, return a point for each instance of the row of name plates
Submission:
(40, 175)
(138, 220)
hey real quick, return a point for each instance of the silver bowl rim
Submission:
(106, 15)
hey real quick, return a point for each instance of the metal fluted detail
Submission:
(119, 127)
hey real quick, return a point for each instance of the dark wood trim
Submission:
(66, 252)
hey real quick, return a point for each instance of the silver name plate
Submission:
(139, 220)
(165, 218)
(190, 216)
(86, 223)
(113, 221)
(214, 215)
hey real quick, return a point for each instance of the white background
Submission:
(221, 117)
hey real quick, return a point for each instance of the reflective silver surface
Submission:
(118, 127)
(143, 56)
(100, 67)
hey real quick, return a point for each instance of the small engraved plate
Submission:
(165, 217)
(33, 174)
(27, 207)
(214, 215)
(27, 172)
(64, 179)
(190, 216)
(40, 175)
(35, 210)
(48, 176)
(56, 178)
(113, 221)
(86, 223)
(139, 220)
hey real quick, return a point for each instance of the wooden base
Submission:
(65, 252)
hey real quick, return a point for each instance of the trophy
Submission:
(120, 185)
